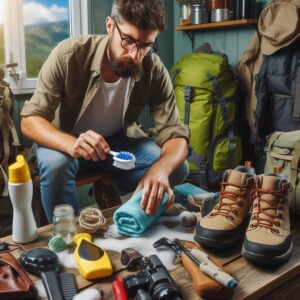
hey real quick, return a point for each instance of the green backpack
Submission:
(205, 89)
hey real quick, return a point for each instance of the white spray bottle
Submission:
(24, 229)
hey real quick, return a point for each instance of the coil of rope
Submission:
(91, 219)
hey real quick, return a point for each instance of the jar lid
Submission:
(63, 209)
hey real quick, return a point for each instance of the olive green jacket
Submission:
(69, 79)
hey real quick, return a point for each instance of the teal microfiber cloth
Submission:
(182, 191)
(132, 220)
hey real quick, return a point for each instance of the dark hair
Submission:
(144, 14)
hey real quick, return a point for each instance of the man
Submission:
(100, 85)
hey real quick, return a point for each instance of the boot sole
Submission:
(215, 243)
(222, 244)
(219, 244)
(267, 260)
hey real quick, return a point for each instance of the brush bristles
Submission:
(125, 165)
(125, 156)
(124, 160)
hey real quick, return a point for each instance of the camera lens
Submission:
(166, 291)
(142, 295)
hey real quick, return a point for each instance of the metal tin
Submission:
(199, 14)
(220, 14)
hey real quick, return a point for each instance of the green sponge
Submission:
(57, 243)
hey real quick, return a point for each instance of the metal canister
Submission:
(199, 14)
(219, 15)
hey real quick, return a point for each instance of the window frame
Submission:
(14, 39)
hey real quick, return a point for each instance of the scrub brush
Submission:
(123, 160)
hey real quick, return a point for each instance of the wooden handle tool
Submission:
(205, 285)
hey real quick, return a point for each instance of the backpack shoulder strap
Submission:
(7, 125)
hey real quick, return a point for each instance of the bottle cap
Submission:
(19, 172)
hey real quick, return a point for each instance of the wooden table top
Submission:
(254, 282)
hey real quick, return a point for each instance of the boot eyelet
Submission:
(276, 231)
(230, 218)
(251, 226)
(277, 223)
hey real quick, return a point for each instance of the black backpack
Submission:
(278, 91)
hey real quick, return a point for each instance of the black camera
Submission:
(153, 279)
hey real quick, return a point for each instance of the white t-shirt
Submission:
(104, 113)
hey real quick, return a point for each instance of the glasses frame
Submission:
(140, 48)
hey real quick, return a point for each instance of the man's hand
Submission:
(156, 181)
(90, 145)
(155, 184)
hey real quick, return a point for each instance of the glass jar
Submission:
(64, 222)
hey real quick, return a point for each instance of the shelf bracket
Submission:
(191, 36)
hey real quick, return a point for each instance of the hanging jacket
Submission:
(270, 38)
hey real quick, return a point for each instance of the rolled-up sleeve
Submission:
(49, 89)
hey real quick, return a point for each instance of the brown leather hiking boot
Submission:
(225, 224)
(267, 238)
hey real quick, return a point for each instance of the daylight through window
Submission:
(46, 23)
(30, 29)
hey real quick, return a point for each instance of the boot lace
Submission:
(224, 208)
(263, 216)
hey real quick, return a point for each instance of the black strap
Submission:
(175, 73)
(231, 148)
(219, 98)
(187, 99)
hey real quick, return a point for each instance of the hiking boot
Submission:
(267, 238)
(225, 224)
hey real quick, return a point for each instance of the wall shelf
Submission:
(218, 25)
(230, 24)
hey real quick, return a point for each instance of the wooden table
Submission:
(254, 282)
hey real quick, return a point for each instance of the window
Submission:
(32, 28)
(43, 30)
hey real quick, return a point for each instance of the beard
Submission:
(124, 66)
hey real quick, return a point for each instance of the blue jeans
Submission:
(58, 170)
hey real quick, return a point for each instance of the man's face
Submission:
(127, 62)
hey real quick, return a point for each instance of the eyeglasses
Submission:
(131, 44)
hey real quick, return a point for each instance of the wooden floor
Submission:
(254, 282)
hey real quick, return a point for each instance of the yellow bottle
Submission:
(93, 262)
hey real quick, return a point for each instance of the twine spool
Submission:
(91, 219)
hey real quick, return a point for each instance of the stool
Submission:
(104, 191)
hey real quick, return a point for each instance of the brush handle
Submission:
(52, 285)
(113, 153)
(219, 275)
